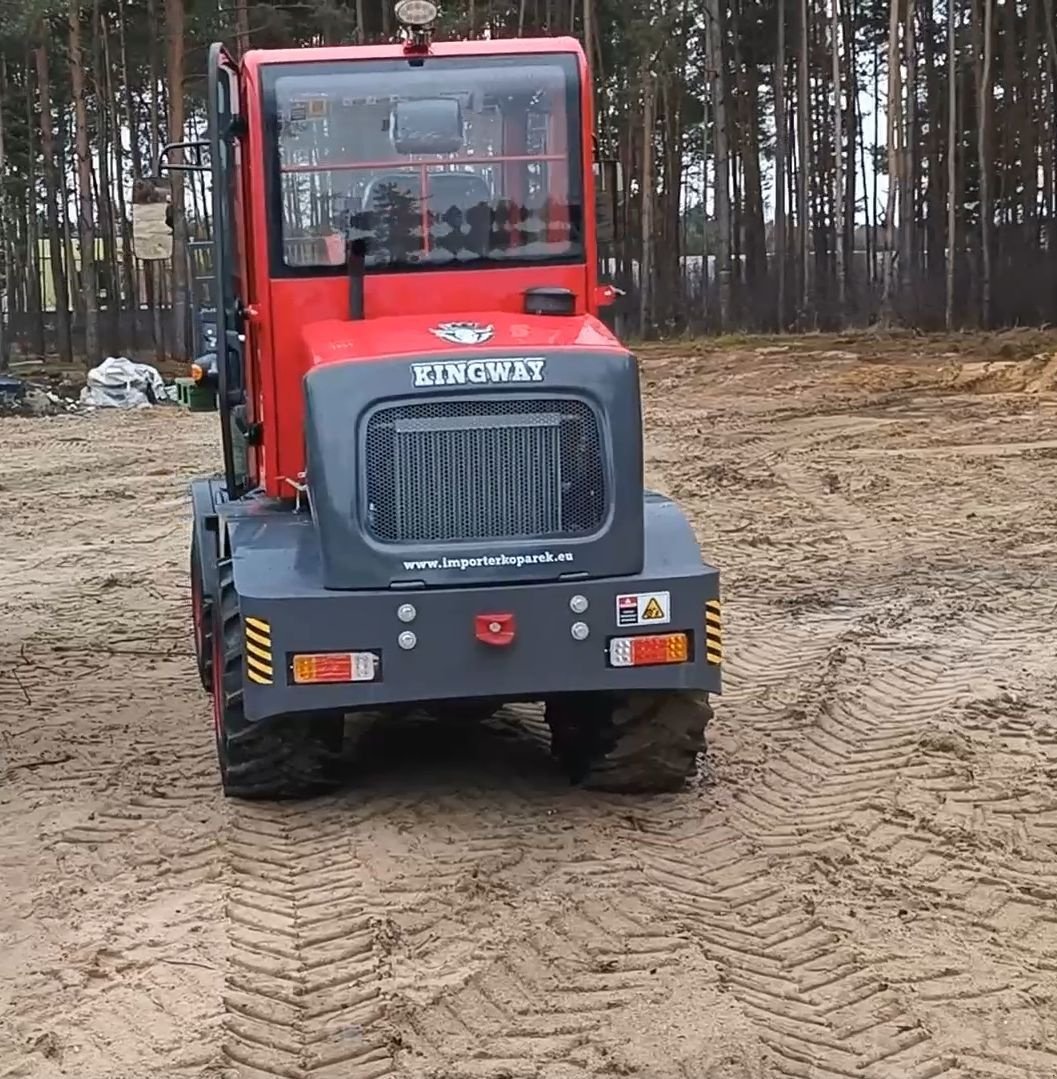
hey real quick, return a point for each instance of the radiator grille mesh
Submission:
(472, 470)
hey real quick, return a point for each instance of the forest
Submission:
(790, 165)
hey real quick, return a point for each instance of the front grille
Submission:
(463, 470)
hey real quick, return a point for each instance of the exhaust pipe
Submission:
(356, 256)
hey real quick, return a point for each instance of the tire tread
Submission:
(276, 759)
(637, 743)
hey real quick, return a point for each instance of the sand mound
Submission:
(1036, 375)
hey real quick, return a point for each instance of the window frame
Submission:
(271, 73)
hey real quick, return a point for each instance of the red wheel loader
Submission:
(433, 461)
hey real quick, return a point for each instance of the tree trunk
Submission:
(1049, 20)
(753, 223)
(1049, 110)
(714, 37)
(153, 273)
(132, 123)
(851, 128)
(649, 91)
(72, 261)
(838, 170)
(174, 18)
(983, 121)
(932, 148)
(803, 107)
(51, 185)
(34, 282)
(1030, 132)
(105, 134)
(895, 165)
(124, 295)
(908, 233)
(5, 253)
(589, 34)
(780, 158)
(952, 164)
(242, 27)
(85, 213)
(876, 142)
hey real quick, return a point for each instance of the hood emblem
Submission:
(463, 333)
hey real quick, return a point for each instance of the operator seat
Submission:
(392, 205)
(381, 189)
(460, 211)
(459, 208)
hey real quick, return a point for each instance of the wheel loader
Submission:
(432, 492)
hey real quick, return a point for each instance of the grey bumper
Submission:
(448, 661)
(285, 612)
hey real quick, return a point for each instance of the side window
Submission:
(226, 224)
(224, 151)
(233, 148)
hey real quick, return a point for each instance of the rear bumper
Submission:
(448, 662)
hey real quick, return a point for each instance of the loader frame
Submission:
(281, 580)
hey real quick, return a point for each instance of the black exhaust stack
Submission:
(356, 255)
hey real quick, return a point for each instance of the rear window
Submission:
(458, 162)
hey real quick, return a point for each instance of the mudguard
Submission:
(206, 495)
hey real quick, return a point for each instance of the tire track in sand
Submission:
(554, 999)
(460, 926)
(307, 956)
(603, 935)
(748, 890)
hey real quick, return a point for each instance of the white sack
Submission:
(119, 383)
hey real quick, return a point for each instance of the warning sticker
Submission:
(644, 609)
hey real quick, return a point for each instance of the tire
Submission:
(286, 757)
(638, 743)
(202, 619)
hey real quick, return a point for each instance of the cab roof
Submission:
(256, 58)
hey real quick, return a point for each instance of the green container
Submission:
(194, 397)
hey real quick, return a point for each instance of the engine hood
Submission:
(430, 337)
(438, 471)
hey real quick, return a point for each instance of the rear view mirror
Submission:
(151, 220)
(427, 126)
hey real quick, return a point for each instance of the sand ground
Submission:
(862, 883)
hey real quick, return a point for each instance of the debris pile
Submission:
(117, 382)
(19, 397)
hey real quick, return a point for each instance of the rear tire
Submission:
(637, 743)
(202, 618)
(279, 758)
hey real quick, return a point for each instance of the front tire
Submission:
(280, 758)
(636, 743)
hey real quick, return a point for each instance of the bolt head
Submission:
(407, 640)
(578, 604)
(494, 627)
(406, 612)
(580, 631)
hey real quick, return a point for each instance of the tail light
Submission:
(649, 650)
(317, 668)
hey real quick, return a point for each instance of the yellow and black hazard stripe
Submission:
(713, 632)
(258, 641)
